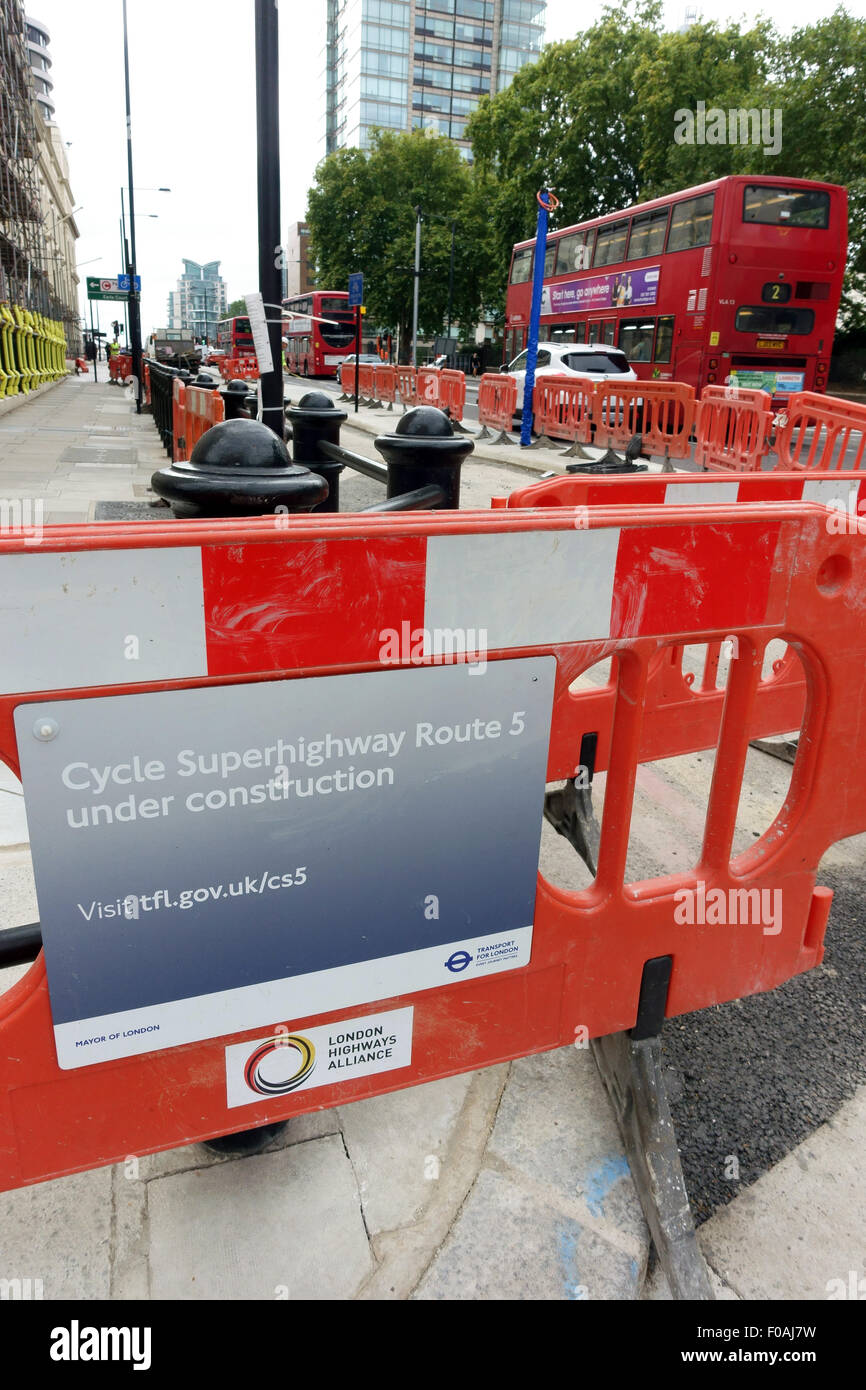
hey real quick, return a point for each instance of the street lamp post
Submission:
(133, 303)
(268, 179)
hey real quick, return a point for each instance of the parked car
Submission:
(597, 360)
(214, 357)
(365, 357)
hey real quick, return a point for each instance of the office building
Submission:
(298, 273)
(200, 300)
(416, 64)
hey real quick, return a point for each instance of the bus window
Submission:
(648, 234)
(664, 338)
(580, 335)
(786, 207)
(549, 259)
(691, 223)
(610, 243)
(608, 332)
(636, 339)
(563, 333)
(572, 253)
(761, 318)
(521, 266)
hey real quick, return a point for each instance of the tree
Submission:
(237, 309)
(569, 121)
(361, 215)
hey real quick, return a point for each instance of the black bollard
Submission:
(425, 451)
(236, 396)
(316, 420)
(238, 468)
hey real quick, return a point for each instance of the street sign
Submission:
(105, 288)
(123, 283)
(356, 290)
(190, 890)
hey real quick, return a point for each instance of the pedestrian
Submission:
(476, 364)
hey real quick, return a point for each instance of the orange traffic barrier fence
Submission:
(385, 384)
(178, 420)
(452, 393)
(427, 386)
(562, 407)
(497, 402)
(661, 412)
(406, 386)
(734, 428)
(822, 432)
(194, 410)
(348, 371)
(188, 1034)
(365, 381)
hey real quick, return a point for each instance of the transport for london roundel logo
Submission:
(279, 1065)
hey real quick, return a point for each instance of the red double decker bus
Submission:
(235, 337)
(320, 329)
(735, 281)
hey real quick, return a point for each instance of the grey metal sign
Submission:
(214, 859)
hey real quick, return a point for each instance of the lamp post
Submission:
(132, 299)
(268, 180)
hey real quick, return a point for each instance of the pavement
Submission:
(508, 1183)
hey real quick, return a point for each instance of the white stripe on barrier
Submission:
(688, 493)
(523, 589)
(102, 617)
(841, 492)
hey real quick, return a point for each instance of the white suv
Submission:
(597, 360)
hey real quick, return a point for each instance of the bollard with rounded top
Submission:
(239, 402)
(316, 420)
(424, 450)
(238, 468)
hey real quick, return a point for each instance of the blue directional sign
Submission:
(123, 283)
(356, 290)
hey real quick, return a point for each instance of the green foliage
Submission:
(361, 215)
(237, 309)
(595, 120)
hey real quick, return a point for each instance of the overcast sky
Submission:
(193, 121)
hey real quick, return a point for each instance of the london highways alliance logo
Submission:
(280, 1065)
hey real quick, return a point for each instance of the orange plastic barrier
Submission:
(194, 410)
(427, 386)
(563, 407)
(385, 384)
(178, 420)
(822, 432)
(662, 412)
(452, 392)
(497, 402)
(365, 380)
(406, 385)
(734, 427)
(644, 579)
(348, 372)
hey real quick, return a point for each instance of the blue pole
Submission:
(546, 204)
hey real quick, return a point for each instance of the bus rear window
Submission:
(330, 304)
(521, 266)
(786, 207)
(772, 320)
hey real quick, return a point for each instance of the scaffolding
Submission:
(24, 280)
